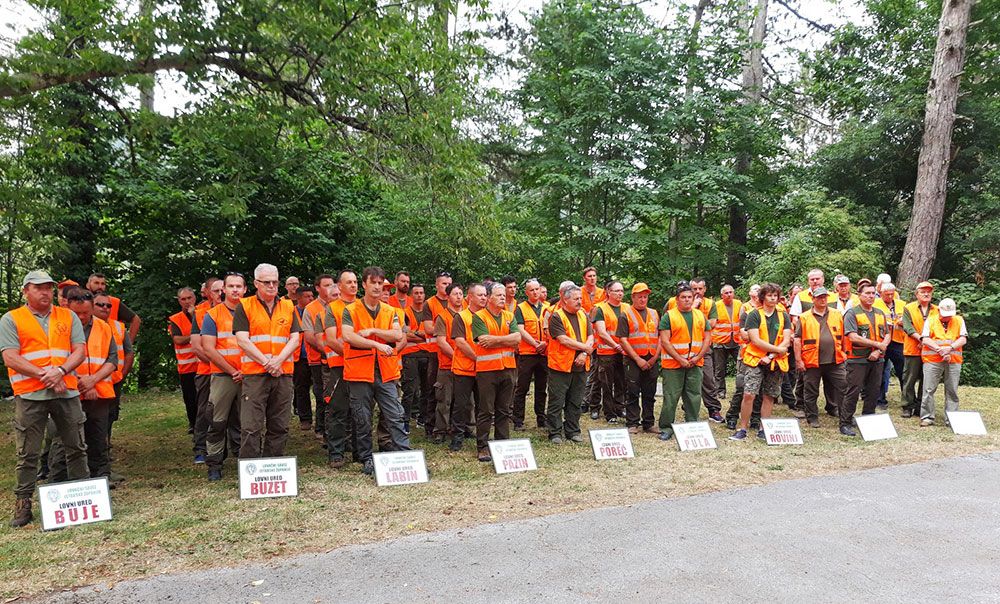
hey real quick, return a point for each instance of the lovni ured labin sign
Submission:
(72, 503)
(269, 477)
(400, 467)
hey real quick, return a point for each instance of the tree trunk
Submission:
(753, 84)
(146, 90)
(935, 149)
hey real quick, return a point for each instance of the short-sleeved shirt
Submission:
(125, 314)
(347, 320)
(440, 328)
(557, 329)
(519, 316)
(599, 313)
(623, 326)
(851, 326)
(827, 344)
(688, 318)
(424, 314)
(242, 323)
(10, 340)
(927, 329)
(479, 327)
(753, 322)
(174, 329)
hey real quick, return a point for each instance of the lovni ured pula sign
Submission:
(694, 436)
(72, 503)
(613, 443)
(513, 455)
(400, 467)
(269, 477)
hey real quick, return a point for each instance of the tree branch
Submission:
(818, 26)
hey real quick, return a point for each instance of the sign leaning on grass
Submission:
(876, 426)
(71, 503)
(694, 436)
(513, 455)
(782, 431)
(269, 477)
(966, 422)
(400, 467)
(614, 443)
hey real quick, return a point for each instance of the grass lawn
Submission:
(168, 518)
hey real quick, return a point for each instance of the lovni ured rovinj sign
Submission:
(513, 455)
(694, 436)
(400, 467)
(269, 477)
(781, 431)
(614, 443)
(72, 503)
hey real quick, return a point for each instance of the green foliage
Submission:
(979, 305)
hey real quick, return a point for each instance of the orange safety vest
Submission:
(187, 362)
(315, 310)
(225, 339)
(337, 310)
(118, 332)
(810, 336)
(532, 325)
(495, 359)
(561, 356)
(642, 336)
(461, 364)
(611, 325)
(204, 367)
(892, 314)
(589, 303)
(444, 362)
(268, 333)
(753, 354)
(912, 348)
(116, 304)
(805, 299)
(411, 320)
(727, 326)
(359, 363)
(98, 346)
(939, 335)
(394, 301)
(438, 309)
(841, 306)
(40, 348)
(687, 343)
(876, 332)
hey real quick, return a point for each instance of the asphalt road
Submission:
(927, 532)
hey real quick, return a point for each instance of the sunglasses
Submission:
(444, 274)
(103, 304)
(234, 274)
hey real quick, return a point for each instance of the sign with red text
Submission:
(966, 422)
(514, 455)
(71, 503)
(694, 436)
(876, 426)
(269, 477)
(781, 431)
(400, 467)
(611, 444)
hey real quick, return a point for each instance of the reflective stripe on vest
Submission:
(42, 349)
(687, 343)
(610, 325)
(225, 339)
(532, 325)
(269, 333)
(560, 356)
(943, 337)
(727, 326)
(495, 359)
(643, 336)
(98, 347)
(184, 353)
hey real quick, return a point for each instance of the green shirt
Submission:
(599, 313)
(773, 337)
(519, 316)
(851, 326)
(9, 339)
(688, 318)
(479, 327)
(557, 329)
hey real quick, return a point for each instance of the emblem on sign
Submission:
(54, 495)
(251, 468)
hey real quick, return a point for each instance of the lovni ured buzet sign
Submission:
(269, 477)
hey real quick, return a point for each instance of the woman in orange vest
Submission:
(571, 343)
(820, 354)
(684, 342)
(943, 341)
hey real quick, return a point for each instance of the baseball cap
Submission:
(820, 291)
(67, 283)
(640, 288)
(924, 284)
(839, 279)
(37, 278)
(946, 308)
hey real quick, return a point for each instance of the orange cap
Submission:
(640, 288)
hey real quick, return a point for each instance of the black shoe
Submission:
(519, 427)
(731, 423)
(760, 435)
(43, 473)
(438, 440)
(191, 430)
(214, 475)
(883, 406)
(594, 415)
(831, 411)
(907, 412)
(847, 431)
(406, 428)
(755, 424)
(456, 443)
(369, 467)
(613, 420)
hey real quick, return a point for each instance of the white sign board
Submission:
(782, 431)
(694, 436)
(966, 422)
(400, 467)
(269, 477)
(611, 444)
(71, 503)
(513, 455)
(876, 426)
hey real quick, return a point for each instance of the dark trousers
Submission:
(720, 367)
(340, 435)
(864, 379)
(203, 420)
(317, 379)
(893, 362)
(640, 384)
(301, 388)
(30, 420)
(464, 409)
(364, 396)
(446, 420)
(834, 378)
(417, 387)
(430, 398)
(566, 392)
(792, 388)
(708, 387)
(733, 413)
(611, 381)
(913, 383)
(592, 391)
(190, 393)
(531, 367)
(224, 431)
(265, 408)
(95, 436)
(496, 397)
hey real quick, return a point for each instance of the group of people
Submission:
(459, 361)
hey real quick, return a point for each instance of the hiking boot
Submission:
(814, 423)
(633, 430)
(484, 455)
(438, 440)
(760, 435)
(731, 423)
(666, 435)
(907, 413)
(456, 443)
(519, 427)
(214, 475)
(337, 462)
(848, 431)
(369, 467)
(799, 413)
(199, 459)
(22, 513)
(305, 425)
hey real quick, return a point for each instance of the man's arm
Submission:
(208, 343)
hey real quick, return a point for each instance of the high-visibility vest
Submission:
(187, 362)
(460, 363)
(810, 336)
(359, 363)
(394, 301)
(42, 349)
(896, 312)
(705, 307)
(225, 339)
(316, 311)
(941, 336)
(118, 332)
(547, 310)
(414, 325)
(611, 325)
(843, 307)
(495, 359)
(590, 302)
(686, 342)
(911, 347)
(532, 325)
(268, 333)
(510, 305)
(204, 367)
(560, 357)
(643, 336)
(337, 310)
(805, 299)
(727, 326)
(444, 362)
(753, 354)
(438, 308)
(875, 332)
(98, 347)
(116, 304)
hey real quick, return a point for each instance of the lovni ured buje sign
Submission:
(72, 503)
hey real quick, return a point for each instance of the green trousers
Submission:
(683, 384)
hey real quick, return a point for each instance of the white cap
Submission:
(883, 278)
(946, 308)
